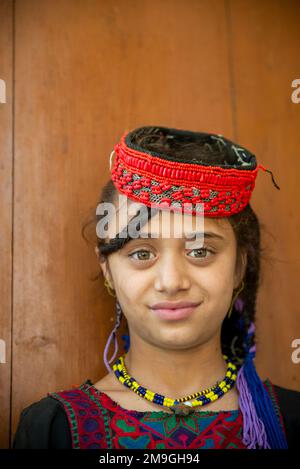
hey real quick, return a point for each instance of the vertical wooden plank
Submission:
(265, 42)
(6, 166)
(85, 72)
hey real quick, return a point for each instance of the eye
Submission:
(199, 250)
(144, 256)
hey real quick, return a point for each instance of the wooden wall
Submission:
(77, 75)
(6, 214)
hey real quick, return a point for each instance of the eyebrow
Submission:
(206, 234)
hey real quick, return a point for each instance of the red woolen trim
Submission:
(155, 176)
(148, 165)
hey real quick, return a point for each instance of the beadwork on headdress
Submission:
(158, 180)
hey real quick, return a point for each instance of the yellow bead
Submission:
(169, 401)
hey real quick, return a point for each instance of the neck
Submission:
(175, 373)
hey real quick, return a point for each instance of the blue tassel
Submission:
(264, 406)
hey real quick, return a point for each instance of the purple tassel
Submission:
(113, 335)
(254, 433)
(251, 329)
(239, 305)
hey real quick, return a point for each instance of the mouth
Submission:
(174, 314)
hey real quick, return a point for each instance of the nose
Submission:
(171, 275)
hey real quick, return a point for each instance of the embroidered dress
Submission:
(96, 421)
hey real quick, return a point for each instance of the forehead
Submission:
(165, 223)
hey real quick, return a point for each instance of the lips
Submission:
(173, 311)
(174, 304)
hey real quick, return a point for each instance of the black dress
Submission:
(44, 423)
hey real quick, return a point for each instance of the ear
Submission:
(103, 262)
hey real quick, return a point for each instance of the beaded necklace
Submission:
(183, 405)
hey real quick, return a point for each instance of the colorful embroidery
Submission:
(96, 421)
(160, 181)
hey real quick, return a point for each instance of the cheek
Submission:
(131, 289)
(130, 282)
(217, 283)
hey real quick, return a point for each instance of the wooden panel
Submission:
(6, 168)
(265, 43)
(85, 72)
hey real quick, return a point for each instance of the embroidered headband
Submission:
(162, 180)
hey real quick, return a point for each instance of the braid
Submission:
(235, 337)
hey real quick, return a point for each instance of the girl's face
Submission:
(151, 270)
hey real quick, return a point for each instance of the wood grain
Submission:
(86, 71)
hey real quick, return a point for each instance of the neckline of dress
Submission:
(87, 385)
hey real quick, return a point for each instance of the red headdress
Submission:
(163, 180)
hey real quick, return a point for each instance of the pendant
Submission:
(183, 409)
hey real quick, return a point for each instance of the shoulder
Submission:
(43, 424)
(289, 404)
(287, 393)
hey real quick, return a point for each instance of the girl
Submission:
(186, 377)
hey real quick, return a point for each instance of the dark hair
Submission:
(245, 224)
